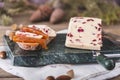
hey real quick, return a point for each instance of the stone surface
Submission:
(56, 53)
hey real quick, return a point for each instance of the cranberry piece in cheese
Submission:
(80, 30)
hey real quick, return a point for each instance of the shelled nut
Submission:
(3, 54)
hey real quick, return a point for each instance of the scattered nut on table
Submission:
(63, 77)
(50, 78)
(70, 73)
(3, 54)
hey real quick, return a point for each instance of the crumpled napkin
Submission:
(82, 72)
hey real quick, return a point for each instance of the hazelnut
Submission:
(63, 77)
(3, 54)
(50, 78)
(70, 73)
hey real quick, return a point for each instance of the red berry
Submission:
(94, 40)
(80, 30)
(99, 29)
(83, 22)
(69, 35)
(100, 39)
(95, 27)
(90, 20)
(75, 21)
(46, 31)
(99, 25)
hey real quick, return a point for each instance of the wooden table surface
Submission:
(7, 76)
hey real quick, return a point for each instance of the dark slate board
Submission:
(56, 54)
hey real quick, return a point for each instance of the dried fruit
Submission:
(50, 78)
(3, 54)
(41, 14)
(70, 73)
(57, 15)
(63, 77)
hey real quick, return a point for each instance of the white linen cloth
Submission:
(82, 72)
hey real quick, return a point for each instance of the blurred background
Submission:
(57, 11)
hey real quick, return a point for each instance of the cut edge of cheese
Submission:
(83, 47)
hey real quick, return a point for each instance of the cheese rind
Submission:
(84, 33)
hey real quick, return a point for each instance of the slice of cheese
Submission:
(45, 29)
(28, 34)
(84, 33)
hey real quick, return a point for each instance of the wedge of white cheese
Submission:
(84, 33)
